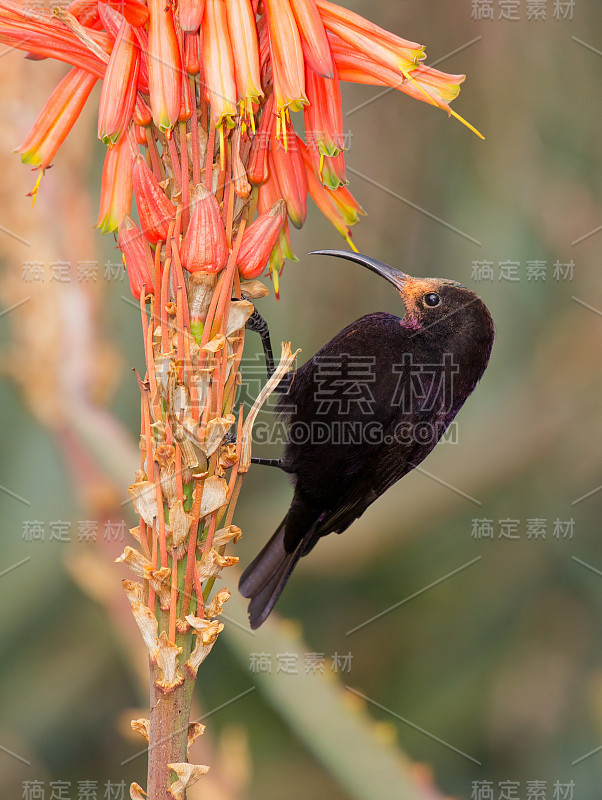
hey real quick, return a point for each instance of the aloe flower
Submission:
(119, 86)
(164, 63)
(218, 66)
(196, 108)
(116, 186)
(245, 49)
(57, 118)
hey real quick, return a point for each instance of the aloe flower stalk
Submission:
(195, 108)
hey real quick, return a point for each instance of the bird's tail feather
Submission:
(266, 576)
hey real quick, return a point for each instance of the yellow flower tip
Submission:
(283, 118)
(34, 191)
(275, 276)
(222, 148)
(465, 122)
(433, 101)
(350, 243)
(110, 141)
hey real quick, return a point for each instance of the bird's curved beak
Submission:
(394, 276)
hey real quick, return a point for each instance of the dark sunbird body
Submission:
(365, 410)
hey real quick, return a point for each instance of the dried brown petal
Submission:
(228, 456)
(286, 360)
(179, 522)
(162, 366)
(217, 343)
(216, 606)
(137, 792)
(206, 629)
(215, 491)
(144, 617)
(188, 775)
(207, 632)
(212, 564)
(141, 726)
(216, 430)
(202, 378)
(160, 580)
(253, 290)
(240, 311)
(139, 564)
(165, 456)
(195, 729)
(142, 567)
(224, 535)
(167, 661)
(144, 500)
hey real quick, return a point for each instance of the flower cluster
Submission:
(223, 73)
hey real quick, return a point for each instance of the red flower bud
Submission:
(287, 165)
(259, 240)
(257, 169)
(155, 209)
(119, 87)
(204, 247)
(136, 257)
(191, 14)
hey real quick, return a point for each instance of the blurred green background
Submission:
(498, 665)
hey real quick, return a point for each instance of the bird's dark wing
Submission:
(335, 398)
(377, 474)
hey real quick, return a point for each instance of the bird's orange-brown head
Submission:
(436, 309)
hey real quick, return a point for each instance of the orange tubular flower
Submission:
(348, 205)
(260, 239)
(257, 169)
(440, 88)
(135, 12)
(268, 194)
(245, 49)
(191, 14)
(323, 198)
(332, 171)
(119, 87)
(136, 257)
(57, 118)
(359, 68)
(112, 21)
(85, 12)
(313, 37)
(287, 58)
(191, 54)
(142, 114)
(218, 67)
(43, 35)
(116, 187)
(155, 209)
(288, 168)
(204, 247)
(164, 65)
(374, 41)
(324, 127)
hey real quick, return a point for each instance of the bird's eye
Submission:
(431, 299)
